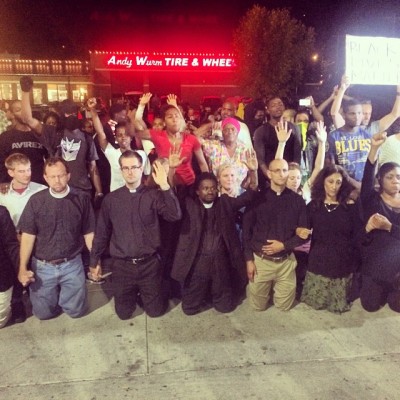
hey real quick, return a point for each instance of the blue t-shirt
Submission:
(350, 150)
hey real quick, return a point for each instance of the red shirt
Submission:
(189, 144)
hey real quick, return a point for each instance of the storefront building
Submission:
(111, 74)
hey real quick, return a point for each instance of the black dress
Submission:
(331, 260)
(380, 250)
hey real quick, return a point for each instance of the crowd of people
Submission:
(268, 204)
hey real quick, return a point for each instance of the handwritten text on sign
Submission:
(373, 60)
(169, 62)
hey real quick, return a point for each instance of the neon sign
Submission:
(165, 61)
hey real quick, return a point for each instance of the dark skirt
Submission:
(322, 293)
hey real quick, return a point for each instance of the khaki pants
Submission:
(5, 306)
(281, 276)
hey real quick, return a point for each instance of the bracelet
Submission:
(99, 195)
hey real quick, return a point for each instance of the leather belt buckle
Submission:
(264, 256)
(136, 261)
(57, 261)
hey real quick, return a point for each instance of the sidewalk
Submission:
(300, 354)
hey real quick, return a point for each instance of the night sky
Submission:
(68, 29)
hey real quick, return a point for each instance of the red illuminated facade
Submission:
(111, 74)
(189, 75)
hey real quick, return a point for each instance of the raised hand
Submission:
(91, 103)
(334, 92)
(175, 158)
(312, 102)
(160, 176)
(321, 131)
(378, 139)
(282, 132)
(251, 160)
(172, 100)
(145, 99)
(26, 83)
(345, 82)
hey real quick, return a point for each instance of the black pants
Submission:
(209, 273)
(375, 294)
(144, 278)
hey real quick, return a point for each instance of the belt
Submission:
(57, 261)
(136, 261)
(263, 256)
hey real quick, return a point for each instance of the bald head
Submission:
(278, 171)
(277, 163)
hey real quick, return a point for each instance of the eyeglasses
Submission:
(132, 168)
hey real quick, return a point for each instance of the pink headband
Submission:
(232, 121)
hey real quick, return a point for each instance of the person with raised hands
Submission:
(112, 154)
(294, 183)
(371, 127)
(295, 173)
(208, 262)
(129, 225)
(228, 150)
(173, 135)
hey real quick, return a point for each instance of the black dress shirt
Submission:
(58, 223)
(274, 217)
(129, 222)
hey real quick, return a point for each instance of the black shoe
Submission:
(139, 301)
(18, 313)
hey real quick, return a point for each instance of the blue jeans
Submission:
(58, 288)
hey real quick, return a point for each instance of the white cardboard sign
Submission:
(373, 60)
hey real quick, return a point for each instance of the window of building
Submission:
(6, 91)
(56, 92)
(62, 92)
(80, 93)
(37, 95)
(19, 92)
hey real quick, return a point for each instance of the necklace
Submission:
(331, 209)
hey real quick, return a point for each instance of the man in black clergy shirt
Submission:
(269, 235)
(128, 220)
(53, 223)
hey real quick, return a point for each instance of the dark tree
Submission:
(272, 51)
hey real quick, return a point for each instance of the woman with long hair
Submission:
(173, 136)
(331, 260)
(380, 248)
